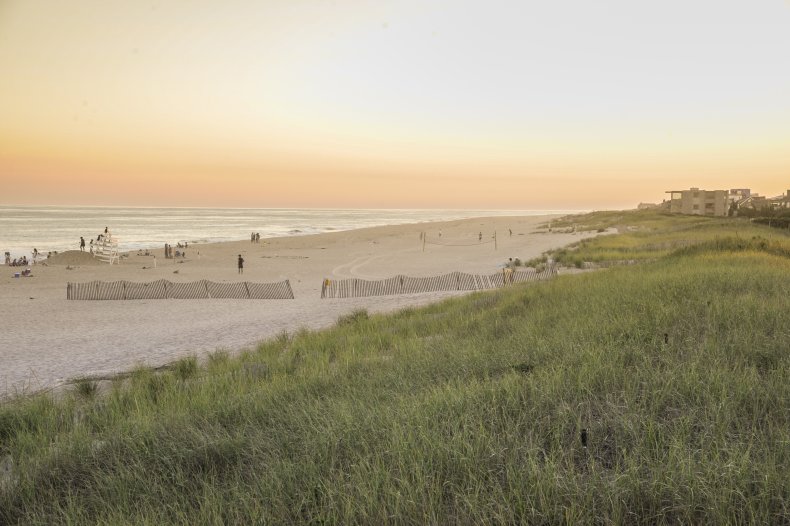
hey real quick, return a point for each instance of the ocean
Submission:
(58, 228)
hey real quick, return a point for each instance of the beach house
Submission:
(781, 201)
(699, 202)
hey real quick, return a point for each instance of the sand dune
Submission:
(72, 257)
(46, 340)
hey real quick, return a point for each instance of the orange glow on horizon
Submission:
(388, 105)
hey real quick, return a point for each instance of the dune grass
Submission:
(467, 411)
(646, 235)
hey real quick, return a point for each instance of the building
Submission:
(699, 202)
(754, 202)
(739, 194)
(781, 202)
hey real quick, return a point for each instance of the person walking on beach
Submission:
(8, 259)
(82, 244)
(241, 264)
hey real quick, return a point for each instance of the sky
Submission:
(568, 104)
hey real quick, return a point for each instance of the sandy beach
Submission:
(47, 340)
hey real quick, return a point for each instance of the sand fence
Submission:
(454, 281)
(163, 289)
(343, 288)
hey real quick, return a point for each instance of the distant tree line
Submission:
(766, 215)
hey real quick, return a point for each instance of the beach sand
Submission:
(46, 340)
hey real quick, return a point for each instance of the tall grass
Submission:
(468, 411)
(647, 235)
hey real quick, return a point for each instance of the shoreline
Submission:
(51, 340)
(134, 233)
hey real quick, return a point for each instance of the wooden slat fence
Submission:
(156, 290)
(358, 288)
(163, 289)
(270, 291)
(229, 291)
(195, 290)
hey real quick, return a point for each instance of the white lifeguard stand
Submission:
(107, 249)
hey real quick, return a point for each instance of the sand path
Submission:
(46, 340)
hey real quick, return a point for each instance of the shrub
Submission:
(354, 317)
(86, 388)
(186, 367)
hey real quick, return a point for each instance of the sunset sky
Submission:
(526, 104)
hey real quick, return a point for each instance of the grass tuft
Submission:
(186, 368)
(354, 317)
(86, 388)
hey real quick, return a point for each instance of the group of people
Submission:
(103, 236)
(255, 237)
(20, 262)
(178, 254)
(23, 261)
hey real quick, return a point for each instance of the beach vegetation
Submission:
(645, 235)
(354, 317)
(650, 393)
(218, 357)
(86, 387)
(186, 367)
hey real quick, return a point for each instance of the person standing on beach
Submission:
(8, 259)
(82, 244)
(241, 264)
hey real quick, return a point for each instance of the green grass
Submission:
(463, 412)
(646, 235)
